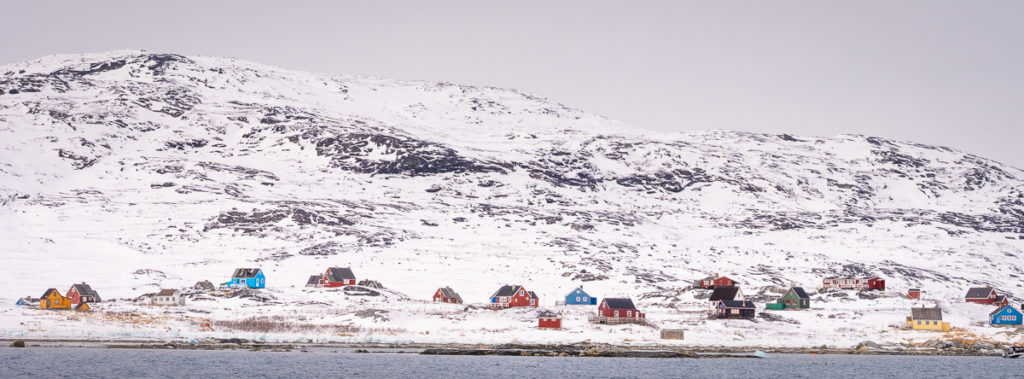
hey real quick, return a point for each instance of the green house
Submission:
(796, 298)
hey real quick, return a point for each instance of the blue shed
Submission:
(579, 297)
(1006, 315)
(247, 277)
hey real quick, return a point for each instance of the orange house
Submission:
(52, 299)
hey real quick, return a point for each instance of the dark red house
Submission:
(621, 308)
(82, 293)
(914, 293)
(715, 281)
(510, 295)
(549, 320)
(339, 277)
(447, 295)
(981, 295)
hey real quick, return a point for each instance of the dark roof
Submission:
(577, 289)
(978, 293)
(450, 293)
(619, 303)
(82, 305)
(724, 293)
(341, 274)
(916, 289)
(205, 284)
(85, 290)
(1000, 310)
(547, 314)
(164, 292)
(245, 272)
(800, 292)
(314, 279)
(1000, 298)
(737, 304)
(926, 313)
(47, 293)
(371, 283)
(507, 290)
(532, 294)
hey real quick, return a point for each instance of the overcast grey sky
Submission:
(938, 72)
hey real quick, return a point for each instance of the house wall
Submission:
(935, 325)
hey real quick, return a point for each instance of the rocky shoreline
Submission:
(931, 348)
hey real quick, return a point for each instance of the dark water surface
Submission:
(97, 362)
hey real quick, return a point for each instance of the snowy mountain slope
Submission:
(133, 171)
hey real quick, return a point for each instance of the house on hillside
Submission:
(794, 298)
(168, 297)
(369, 283)
(579, 297)
(618, 311)
(52, 299)
(715, 281)
(981, 295)
(82, 292)
(83, 307)
(860, 284)
(204, 286)
(914, 293)
(27, 301)
(734, 309)
(549, 320)
(339, 277)
(724, 293)
(447, 295)
(927, 319)
(1001, 301)
(247, 278)
(1006, 315)
(514, 296)
(315, 281)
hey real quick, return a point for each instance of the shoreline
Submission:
(551, 350)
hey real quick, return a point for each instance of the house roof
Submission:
(547, 314)
(737, 304)
(916, 289)
(314, 279)
(724, 293)
(450, 293)
(800, 292)
(532, 294)
(246, 272)
(82, 305)
(85, 290)
(926, 313)
(47, 293)
(619, 303)
(979, 293)
(340, 274)
(507, 290)
(997, 311)
(205, 284)
(371, 283)
(1000, 298)
(166, 292)
(577, 289)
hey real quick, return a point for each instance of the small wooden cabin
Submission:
(914, 293)
(796, 298)
(52, 299)
(83, 307)
(339, 277)
(167, 297)
(315, 281)
(447, 295)
(715, 281)
(619, 308)
(204, 286)
(927, 319)
(672, 334)
(549, 320)
(724, 293)
(981, 295)
(580, 297)
(1006, 315)
(247, 278)
(370, 283)
(83, 293)
(514, 295)
(27, 301)
(735, 309)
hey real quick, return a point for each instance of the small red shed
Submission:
(447, 295)
(914, 293)
(716, 281)
(339, 277)
(876, 283)
(549, 320)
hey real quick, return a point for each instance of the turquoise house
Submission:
(247, 278)
(579, 297)
(1006, 315)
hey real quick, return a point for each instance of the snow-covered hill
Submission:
(134, 171)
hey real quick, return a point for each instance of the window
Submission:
(919, 322)
(585, 299)
(616, 313)
(629, 313)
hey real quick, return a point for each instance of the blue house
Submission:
(247, 278)
(27, 301)
(1006, 315)
(578, 297)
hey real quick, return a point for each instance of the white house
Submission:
(168, 297)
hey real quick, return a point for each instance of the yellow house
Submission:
(83, 307)
(52, 299)
(927, 319)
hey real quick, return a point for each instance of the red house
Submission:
(914, 293)
(514, 296)
(619, 309)
(339, 277)
(981, 295)
(447, 295)
(715, 281)
(82, 293)
(549, 320)
(860, 284)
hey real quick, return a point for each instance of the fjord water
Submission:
(95, 362)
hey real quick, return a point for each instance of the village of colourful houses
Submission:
(726, 299)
